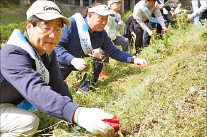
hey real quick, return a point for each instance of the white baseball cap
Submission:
(46, 10)
(112, 1)
(101, 10)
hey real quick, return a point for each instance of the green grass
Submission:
(167, 98)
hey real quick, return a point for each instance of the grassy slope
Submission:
(168, 98)
(155, 101)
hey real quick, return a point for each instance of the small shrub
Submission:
(6, 30)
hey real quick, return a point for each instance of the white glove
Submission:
(164, 30)
(93, 120)
(96, 53)
(150, 33)
(190, 16)
(78, 63)
(140, 62)
(133, 34)
(120, 22)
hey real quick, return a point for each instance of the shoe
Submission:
(79, 91)
(102, 74)
(83, 89)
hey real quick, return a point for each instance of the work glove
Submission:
(150, 33)
(120, 22)
(78, 63)
(140, 62)
(97, 121)
(96, 53)
(190, 17)
(164, 30)
(133, 34)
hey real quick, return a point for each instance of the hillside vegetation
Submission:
(167, 98)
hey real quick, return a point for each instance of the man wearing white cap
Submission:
(85, 34)
(29, 72)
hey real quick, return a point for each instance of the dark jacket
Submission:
(69, 45)
(19, 80)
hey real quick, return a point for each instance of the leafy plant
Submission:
(165, 39)
(126, 15)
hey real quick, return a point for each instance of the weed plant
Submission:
(167, 98)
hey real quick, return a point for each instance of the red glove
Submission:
(114, 123)
(164, 30)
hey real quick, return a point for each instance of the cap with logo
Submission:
(112, 1)
(46, 10)
(102, 10)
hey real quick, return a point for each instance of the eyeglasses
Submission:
(49, 29)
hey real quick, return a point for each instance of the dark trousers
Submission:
(85, 84)
(139, 42)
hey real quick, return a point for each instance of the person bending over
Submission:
(85, 34)
(29, 72)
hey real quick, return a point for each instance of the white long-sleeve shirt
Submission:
(140, 16)
(196, 10)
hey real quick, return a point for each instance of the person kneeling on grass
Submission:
(29, 72)
(85, 34)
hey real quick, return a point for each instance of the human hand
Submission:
(140, 62)
(96, 53)
(97, 121)
(133, 34)
(164, 30)
(120, 22)
(78, 63)
(190, 17)
(175, 15)
(150, 33)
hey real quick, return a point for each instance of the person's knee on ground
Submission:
(126, 46)
(17, 122)
(146, 40)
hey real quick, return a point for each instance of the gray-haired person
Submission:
(29, 71)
